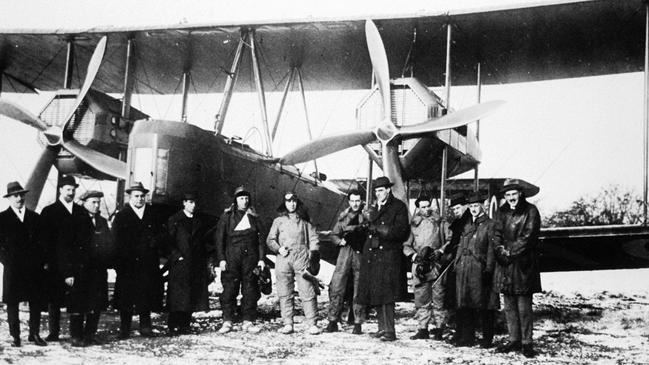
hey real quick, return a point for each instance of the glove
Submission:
(314, 262)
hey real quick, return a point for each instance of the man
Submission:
(429, 238)
(23, 260)
(189, 273)
(83, 263)
(240, 246)
(518, 266)
(461, 217)
(59, 229)
(295, 241)
(474, 268)
(379, 282)
(139, 237)
(348, 233)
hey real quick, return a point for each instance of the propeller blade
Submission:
(97, 160)
(327, 145)
(392, 169)
(39, 175)
(20, 114)
(93, 68)
(379, 65)
(452, 120)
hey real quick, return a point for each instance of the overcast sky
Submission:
(570, 137)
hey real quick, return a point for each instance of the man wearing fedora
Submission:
(425, 247)
(189, 274)
(23, 259)
(380, 277)
(139, 239)
(60, 225)
(517, 272)
(241, 247)
(474, 267)
(83, 263)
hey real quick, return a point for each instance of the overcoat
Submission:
(519, 274)
(23, 258)
(189, 277)
(86, 259)
(58, 229)
(475, 263)
(381, 281)
(139, 245)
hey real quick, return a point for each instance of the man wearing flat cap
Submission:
(380, 277)
(139, 239)
(474, 267)
(241, 247)
(189, 274)
(517, 272)
(83, 264)
(59, 230)
(23, 259)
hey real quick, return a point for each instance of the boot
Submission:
(16, 341)
(357, 329)
(37, 340)
(437, 334)
(377, 334)
(54, 322)
(76, 330)
(146, 329)
(92, 322)
(528, 350)
(509, 347)
(389, 337)
(422, 334)
(332, 327)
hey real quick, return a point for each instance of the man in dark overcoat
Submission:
(189, 270)
(241, 247)
(59, 229)
(474, 267)
(83, 264)
(379, 282)
(460, 217)
(518, 275)
(140, 240)
(23, 259)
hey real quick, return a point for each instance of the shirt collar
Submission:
(188, 214)
(20, 214)
(138, 211)
(67, 205)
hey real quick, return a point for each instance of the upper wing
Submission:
(514, 44)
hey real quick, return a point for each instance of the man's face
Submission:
(137, 198)
(242, 202)
(17, 201)
(91, 205)
(458, 210)
(291, 205)
(382, 193)
(67, 192)
(476, 209)
(425, 208)
(355, 202)
(512, 197)
(189, 205)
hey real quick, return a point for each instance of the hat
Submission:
(137, 186)
(240, 191)
(14, 188)
(382, 181)
(520, 185)
(290, 196)
(475, 198)
(457, 199)
(421, 199)
(190, 196)
(91, 194)
(67, 180)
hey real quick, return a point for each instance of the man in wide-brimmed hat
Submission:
(139, 238)
(188, 253)
(60, 225)
(517, 273)
(23, 260)
(241, 247)
(380, 279)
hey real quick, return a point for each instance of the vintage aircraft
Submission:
(428, 143)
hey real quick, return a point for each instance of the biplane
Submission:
(408, 131)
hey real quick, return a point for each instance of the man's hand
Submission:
(69, 281)
(342, 242)
(283, 251)
(261, 264)
(180, 258)
(437, 254)
(223, 266)
(413, 257)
